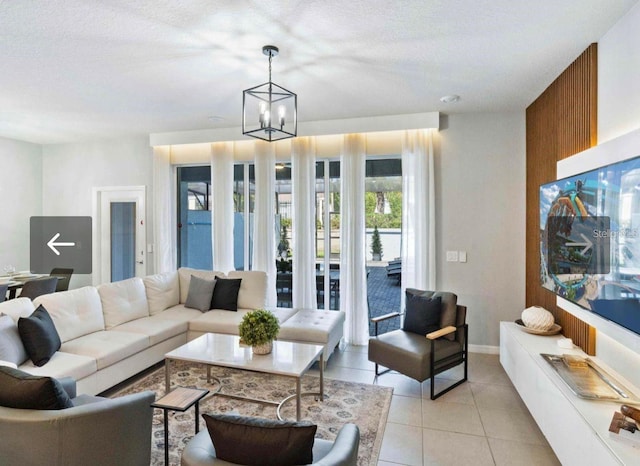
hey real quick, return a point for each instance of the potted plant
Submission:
(258, 329)
(376, 245)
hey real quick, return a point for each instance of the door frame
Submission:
(101, 234)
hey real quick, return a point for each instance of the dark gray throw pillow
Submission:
(449, 307)
(39, 335)
(422, 315)
(261, 442)
(225, 294)
(25, 391)
(200, 293)
(11, 347)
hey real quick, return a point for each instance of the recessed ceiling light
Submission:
(450, 99)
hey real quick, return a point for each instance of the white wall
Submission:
(480, 192)
(619, 78)
(71, 171)
(20, 198)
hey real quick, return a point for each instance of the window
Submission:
(194, 217)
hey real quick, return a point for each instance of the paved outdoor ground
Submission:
(384, 297)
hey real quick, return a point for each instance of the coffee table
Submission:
(289, 359)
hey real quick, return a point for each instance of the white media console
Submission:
(577, 429)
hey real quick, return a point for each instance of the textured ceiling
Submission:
(74, 70)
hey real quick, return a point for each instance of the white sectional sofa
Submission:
(115, 330)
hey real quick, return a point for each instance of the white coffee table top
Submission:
(287, 358)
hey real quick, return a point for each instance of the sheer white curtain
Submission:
(418, 211)
(353, 283)
(303, 163)
(222, 206)
(264, 237)
(163, 210)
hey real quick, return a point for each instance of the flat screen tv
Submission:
(590, 240)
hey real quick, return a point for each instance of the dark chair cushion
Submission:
(225, 294)
(449, 307)
(39, 335)
(422, 315)
(24, 391)
(11, 346)
(200, 293)
(255, 441)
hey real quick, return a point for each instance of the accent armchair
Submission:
(97, 431)
(343, 451)
(423, 356)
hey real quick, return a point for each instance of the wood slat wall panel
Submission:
(561, 122)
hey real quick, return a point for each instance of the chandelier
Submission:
(269, 111)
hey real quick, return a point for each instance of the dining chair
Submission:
(64, 277)
(34, 288)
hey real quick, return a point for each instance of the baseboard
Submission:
(485, 349)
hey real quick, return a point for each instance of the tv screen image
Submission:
(590, 240)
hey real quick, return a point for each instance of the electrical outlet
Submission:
(452, 256)
(462, 256)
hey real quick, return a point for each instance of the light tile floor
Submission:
(481, 422)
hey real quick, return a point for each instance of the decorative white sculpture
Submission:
(537, 318)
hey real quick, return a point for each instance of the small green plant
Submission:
(258, 327)
(376, 245)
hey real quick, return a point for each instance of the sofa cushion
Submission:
(18, 307)
(63, 364)
(155, 327)
(253, 289)
(219, 321)
(39, 335)
(75, 312)
(24, 391)
(200, 293)
(123, 301)
(108, 346)
(256, 441)
(8, 364)
(184, 274)
(422, 314)
(11, 346)
(449, 307)
(163, 291)
(179, 313)
(225, 294)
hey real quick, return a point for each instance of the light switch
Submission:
(452, 256)
(462, 256)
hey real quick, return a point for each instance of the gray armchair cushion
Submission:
(24, 391)
(449, 307)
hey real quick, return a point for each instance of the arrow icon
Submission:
(587, 244)
(52, 244)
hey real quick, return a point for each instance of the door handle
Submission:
(139, 262)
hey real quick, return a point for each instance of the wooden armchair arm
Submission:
(442, 332)
(384, 317)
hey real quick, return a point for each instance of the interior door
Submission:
(121, 232)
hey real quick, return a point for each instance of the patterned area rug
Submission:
(365, 405)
